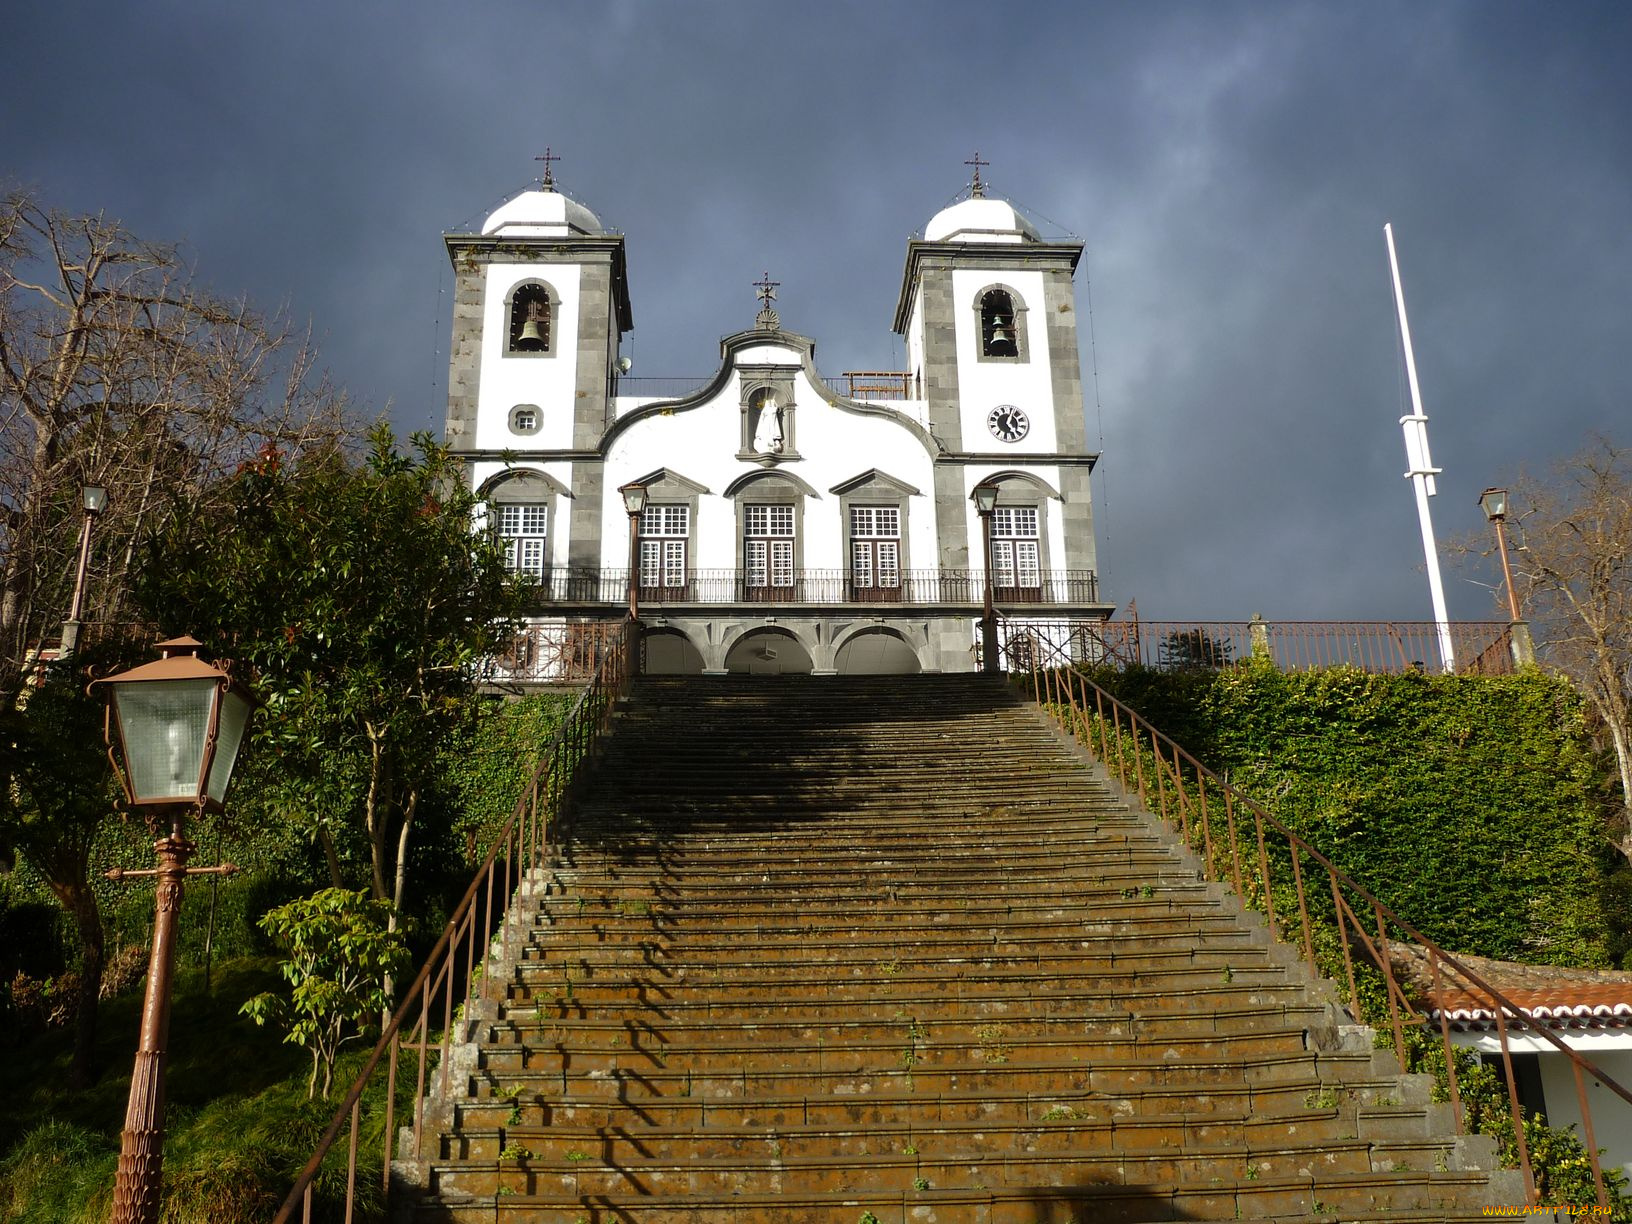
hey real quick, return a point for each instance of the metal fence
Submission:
(1269, 867)
(1479, 647)
(963, 588)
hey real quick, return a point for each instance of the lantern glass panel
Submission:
(163, 725)
(234, 718)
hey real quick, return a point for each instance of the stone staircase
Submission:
(843, 950)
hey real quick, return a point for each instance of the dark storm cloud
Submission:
(1230, 167)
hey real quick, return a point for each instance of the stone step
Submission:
(1418, 1198)
(487, 1129)
(1015, 996)
(1355, 1112)
(1306, 1071)
(581, 1171)
(1024, 1017)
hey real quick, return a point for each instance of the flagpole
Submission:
(1421, 472)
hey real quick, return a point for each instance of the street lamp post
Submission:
(985, 498)
(174, 728)
(634, 501)
(1494, 503)
(92, 499)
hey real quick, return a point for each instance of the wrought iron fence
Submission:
(555, 652)
(446, 989)
(1242, 844)
(1054, 588)
(1479, 647)
(875, 384)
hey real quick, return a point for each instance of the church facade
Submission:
(783, 521)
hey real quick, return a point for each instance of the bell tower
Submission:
(540, 306)
(988, 312)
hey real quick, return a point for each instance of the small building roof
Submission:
(1551, 995)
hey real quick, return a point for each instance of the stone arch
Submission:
(667, 651)
(1016, 477)
(532, 316)
(877, 650)
(1000, 324)
(770, 650)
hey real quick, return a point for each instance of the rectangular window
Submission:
(522, 528)
(767, 551)
(1016, 557)
(664, 531)
(875, 552)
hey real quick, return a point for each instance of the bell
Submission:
(1002, 333)
(530, 333)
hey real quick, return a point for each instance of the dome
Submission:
(541, 214)
(979, 219)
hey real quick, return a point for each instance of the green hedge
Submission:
(1470, 804)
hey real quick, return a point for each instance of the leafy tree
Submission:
(115, 370)
(59, 794)
(341, 954)
(1192, 650)
(366, 604)
(1572, 567)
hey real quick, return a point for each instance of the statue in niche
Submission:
(768, 426)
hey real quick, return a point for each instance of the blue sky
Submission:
(1229, 165)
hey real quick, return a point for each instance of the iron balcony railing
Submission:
(963, 588)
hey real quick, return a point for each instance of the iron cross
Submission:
(549, 175)
(765, 288)
(976, 188)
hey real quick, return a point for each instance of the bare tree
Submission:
(115, 370)
(1572, 567)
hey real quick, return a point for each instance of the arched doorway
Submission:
(876, 652)
(668, 652)
(768, 652)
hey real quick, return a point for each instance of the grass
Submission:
(238, 1124)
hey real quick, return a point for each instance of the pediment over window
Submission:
(666, 480)
(521, 484)
(770, 479)
(874, 480)
(1024, 478)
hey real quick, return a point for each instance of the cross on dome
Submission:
(548, 181)
(765, 288)
(977, 189)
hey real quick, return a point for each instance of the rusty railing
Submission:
(875, 384)
(1480, 647)
(482, 918)
(1238, 840)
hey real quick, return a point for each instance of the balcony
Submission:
(953, 590)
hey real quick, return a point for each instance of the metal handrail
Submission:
(521, 845)
(1158, 764)
(1481, 647)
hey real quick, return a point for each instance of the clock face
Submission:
(1007, 423)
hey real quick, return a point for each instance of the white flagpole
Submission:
(1421, 472)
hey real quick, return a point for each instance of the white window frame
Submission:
(1016, 548)
(875, 547)
(664, 536)
(767, 545)
(524, 528)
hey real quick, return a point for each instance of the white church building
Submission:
(791, 522)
